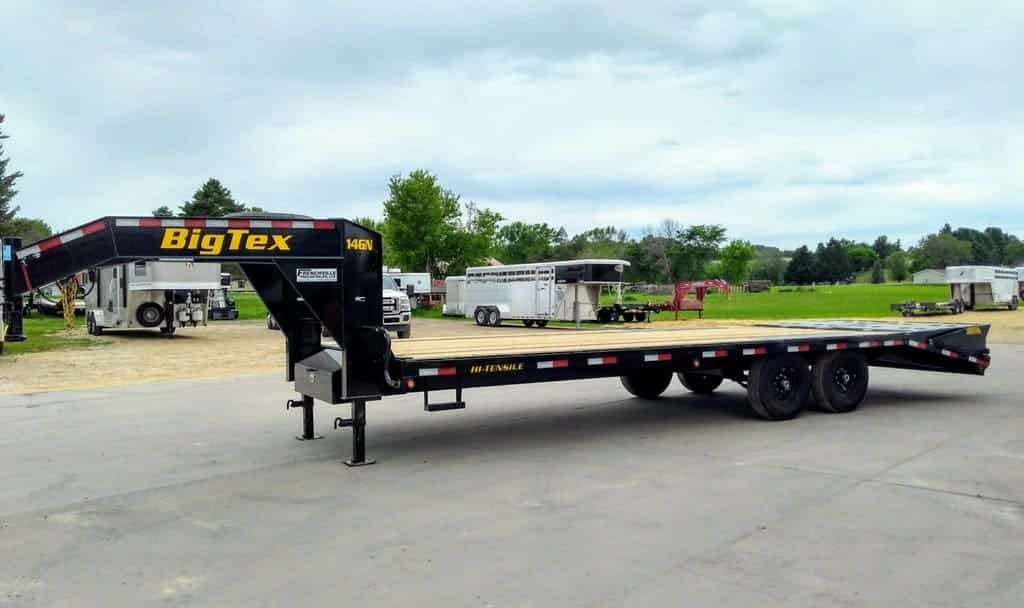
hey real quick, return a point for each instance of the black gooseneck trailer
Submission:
(314, 274)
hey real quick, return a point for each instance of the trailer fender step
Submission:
(458, 404)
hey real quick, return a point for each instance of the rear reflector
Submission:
(653, 357)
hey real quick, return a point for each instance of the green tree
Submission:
(878, 272)
(898, 266)
(883, 248)
(163, 211)
(736, 257)
(832, 262)
(474, 241)
(1014, 254)
(802, 267)
(28, 229)
(7, 191)
(941, 250)
(861, 256)
(693, 248)
(520, 242)
(212, 199)
(420, 217)
(769, 267)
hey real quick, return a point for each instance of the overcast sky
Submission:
(786, 121)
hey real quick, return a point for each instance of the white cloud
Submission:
(787, 122)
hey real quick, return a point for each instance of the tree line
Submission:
(29, 229)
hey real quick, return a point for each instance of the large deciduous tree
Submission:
(802, 267)
(736, 257)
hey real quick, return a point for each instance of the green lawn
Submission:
(858, 300)
(250, 306)
(47, 333)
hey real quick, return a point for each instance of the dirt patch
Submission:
(247, 347)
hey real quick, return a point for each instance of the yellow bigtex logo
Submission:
(235, 239)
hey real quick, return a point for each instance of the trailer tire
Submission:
(640, 317)
(839, 381)
(494, 317)
(627, 317)
(528, 322)
(700, 384)
(604, 316)
(480, 316)
(149, 314)
(779, 388)
(648, 383)
(541, 323)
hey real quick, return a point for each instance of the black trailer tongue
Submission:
(311, 274)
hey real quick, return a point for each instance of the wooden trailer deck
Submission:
(498, 342)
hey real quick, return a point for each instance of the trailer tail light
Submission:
(438, 371)
(799, 348)
(602, 360)
(654, 357)
(555, 364)
(410, 383)
(750, 352)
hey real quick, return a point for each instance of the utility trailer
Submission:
(329, 273)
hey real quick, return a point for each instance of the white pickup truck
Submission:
(397, 310)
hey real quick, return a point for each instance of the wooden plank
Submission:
(492, 342)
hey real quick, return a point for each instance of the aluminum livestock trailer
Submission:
(329, 272)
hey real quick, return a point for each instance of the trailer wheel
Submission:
(839, 381)
(494, 317)
(542, 323)
(640, 317)
(627, 317)
(648, 383)
(778, 388)
(604, 316)
(149, 314)
(528, 322)
(701, 384)
(480, 316)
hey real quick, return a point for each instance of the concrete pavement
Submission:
(571, 494)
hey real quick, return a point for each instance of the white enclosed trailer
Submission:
(976, 286)
(420, 281)
(454, 297)
(545, 291)
(1020, 282)
(155, 294)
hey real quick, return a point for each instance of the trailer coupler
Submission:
(358, 424)
(308, 431)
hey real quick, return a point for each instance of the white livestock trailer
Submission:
(454, 297)
(546, 291)
(975, 286)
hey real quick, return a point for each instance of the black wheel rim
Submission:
(843, 379)
(784, 383)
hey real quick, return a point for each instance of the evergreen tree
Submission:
(212, 199)
(801, 269)
(7, 191)
(878, 272)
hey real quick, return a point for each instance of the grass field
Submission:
(48, 333)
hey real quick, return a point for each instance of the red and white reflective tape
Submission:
(837, 346)
(949, 353)
(172, 222)
(918, 345)
(894, 343)
(602, 360)
(869, 344)
(653, 357)
(554, 364)
(799, 348)
(437, 371)
(62, 239)
(714, 354)
(760, 350)
(978, 362)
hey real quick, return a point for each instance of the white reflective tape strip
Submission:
(24, 253)
(949, 353)
(172, 223)
(431, 371)
(893, 343)
(917, 344)
(545, 365)
(261, 224)
(216, 223)
(797, 349)
(709, 354)
(595, 361)
(127, 222)
(748, 352)
(832, 347)
(650, 358)
(301, 225)
(972, 359)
